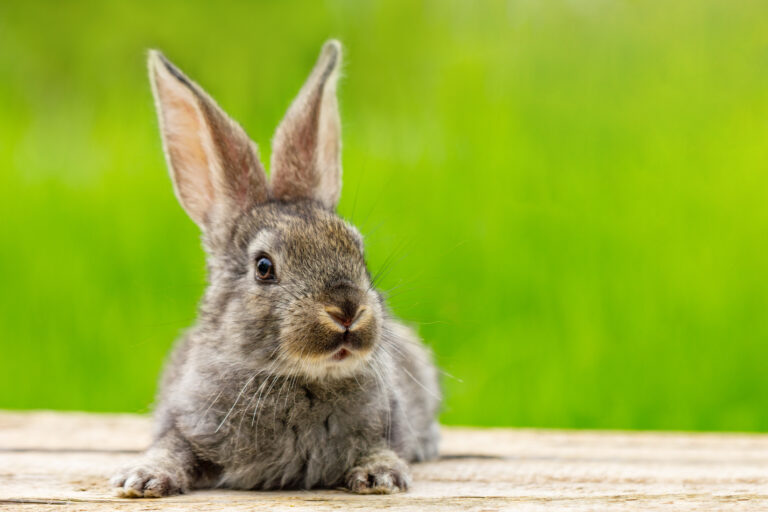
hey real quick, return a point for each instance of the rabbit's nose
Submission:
(345, 317)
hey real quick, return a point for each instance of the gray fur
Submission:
(259, 393)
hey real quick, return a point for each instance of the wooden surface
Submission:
(61, 461)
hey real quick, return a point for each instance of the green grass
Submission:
(574, 193)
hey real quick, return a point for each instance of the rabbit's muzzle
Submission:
(340, 324)
(349, 328)
(347, 317)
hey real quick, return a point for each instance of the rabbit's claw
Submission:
(146, 481)
(379, 474)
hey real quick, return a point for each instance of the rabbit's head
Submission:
(289, 289)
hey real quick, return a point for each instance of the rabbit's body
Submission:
(295, 374)
(286, 433)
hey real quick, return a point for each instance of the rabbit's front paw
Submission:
(381, 473)
(147, 481)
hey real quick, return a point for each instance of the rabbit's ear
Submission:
(306, 149)
(213, 164)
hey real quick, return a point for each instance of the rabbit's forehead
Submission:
(299, 239)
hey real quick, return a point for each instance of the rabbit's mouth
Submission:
(341, 362)
(340, 354)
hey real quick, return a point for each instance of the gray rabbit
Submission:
(295, 375)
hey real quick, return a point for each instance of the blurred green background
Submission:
(573, 193)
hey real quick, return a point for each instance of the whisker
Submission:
(417, 381)
(235, 403)
(200, 418)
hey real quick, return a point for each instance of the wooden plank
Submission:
(61, 461)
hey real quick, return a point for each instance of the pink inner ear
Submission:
(184, 136)
(305, 154)
(329, 148)
(241, 177)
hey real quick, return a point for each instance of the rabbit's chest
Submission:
(298, 440)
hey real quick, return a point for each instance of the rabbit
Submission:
(295, 374)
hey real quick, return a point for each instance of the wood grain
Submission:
(61, 461)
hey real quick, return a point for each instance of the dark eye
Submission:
(265, 269)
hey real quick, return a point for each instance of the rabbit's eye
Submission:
(265, 269)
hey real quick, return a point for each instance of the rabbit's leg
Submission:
(380, 472)
(167, 468)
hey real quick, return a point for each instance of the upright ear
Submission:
(213, 164)
(306, 149)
